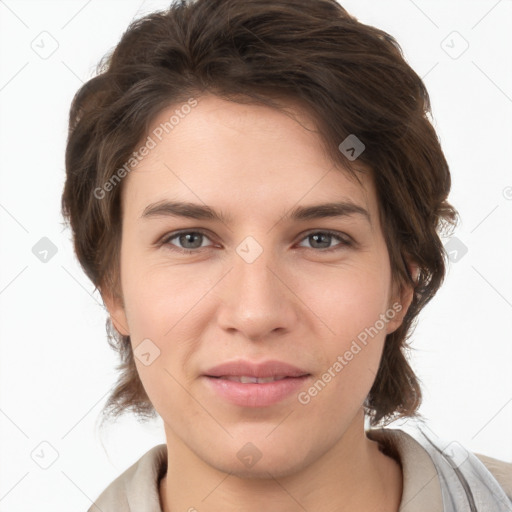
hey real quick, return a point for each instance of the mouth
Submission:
(243, 369)
(247, 379)
(247, 383)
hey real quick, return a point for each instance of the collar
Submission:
(421, 488)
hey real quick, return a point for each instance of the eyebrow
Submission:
(300, 213)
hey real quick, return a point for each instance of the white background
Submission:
(56, 366)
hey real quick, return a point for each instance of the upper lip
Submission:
(260, 370)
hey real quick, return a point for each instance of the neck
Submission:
(352, 475)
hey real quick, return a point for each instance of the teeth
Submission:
(252, 380)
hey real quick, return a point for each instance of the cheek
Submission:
(347, 298)
(159, 298)
(350, 302)
(165, 304)
(351, 306)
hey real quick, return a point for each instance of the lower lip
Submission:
(254, 394)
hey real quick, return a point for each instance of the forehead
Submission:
(245, 156)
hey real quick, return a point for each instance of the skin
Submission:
(296, 303)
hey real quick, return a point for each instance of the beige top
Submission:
(136, 490)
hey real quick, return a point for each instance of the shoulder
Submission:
(501, 470)
(137, 487)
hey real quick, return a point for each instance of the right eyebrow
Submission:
(183, 209)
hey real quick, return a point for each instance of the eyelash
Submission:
(344, 241)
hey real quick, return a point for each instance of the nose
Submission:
(257, 301)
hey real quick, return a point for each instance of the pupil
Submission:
(184, 239)
(319, 236)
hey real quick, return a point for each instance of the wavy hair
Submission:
(352, 78)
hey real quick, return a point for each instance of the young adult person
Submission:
(257, 191)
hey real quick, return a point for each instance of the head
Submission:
(282, 92)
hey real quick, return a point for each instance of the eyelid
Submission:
(170, 236)
(343, 239)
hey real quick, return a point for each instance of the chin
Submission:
(250, 462)
(261, 470)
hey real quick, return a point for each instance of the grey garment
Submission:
(137, 489)
(421, 490)
(430, 482)
(466, 484)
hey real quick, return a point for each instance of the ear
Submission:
(116, 309)
(401, 300)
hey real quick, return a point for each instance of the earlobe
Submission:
(403, 300)
(414, 271)
(120, 326)
(116, 311)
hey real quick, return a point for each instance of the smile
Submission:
(244, 379)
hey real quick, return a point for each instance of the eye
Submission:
(190, 241)
(323, 239)
(193, 241)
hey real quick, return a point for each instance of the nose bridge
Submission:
(256, 302)
(252, 272)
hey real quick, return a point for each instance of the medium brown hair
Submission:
(352, 79)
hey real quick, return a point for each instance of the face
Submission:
(273, 279)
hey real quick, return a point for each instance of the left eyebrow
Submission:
(299, 213)
(334, 209)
